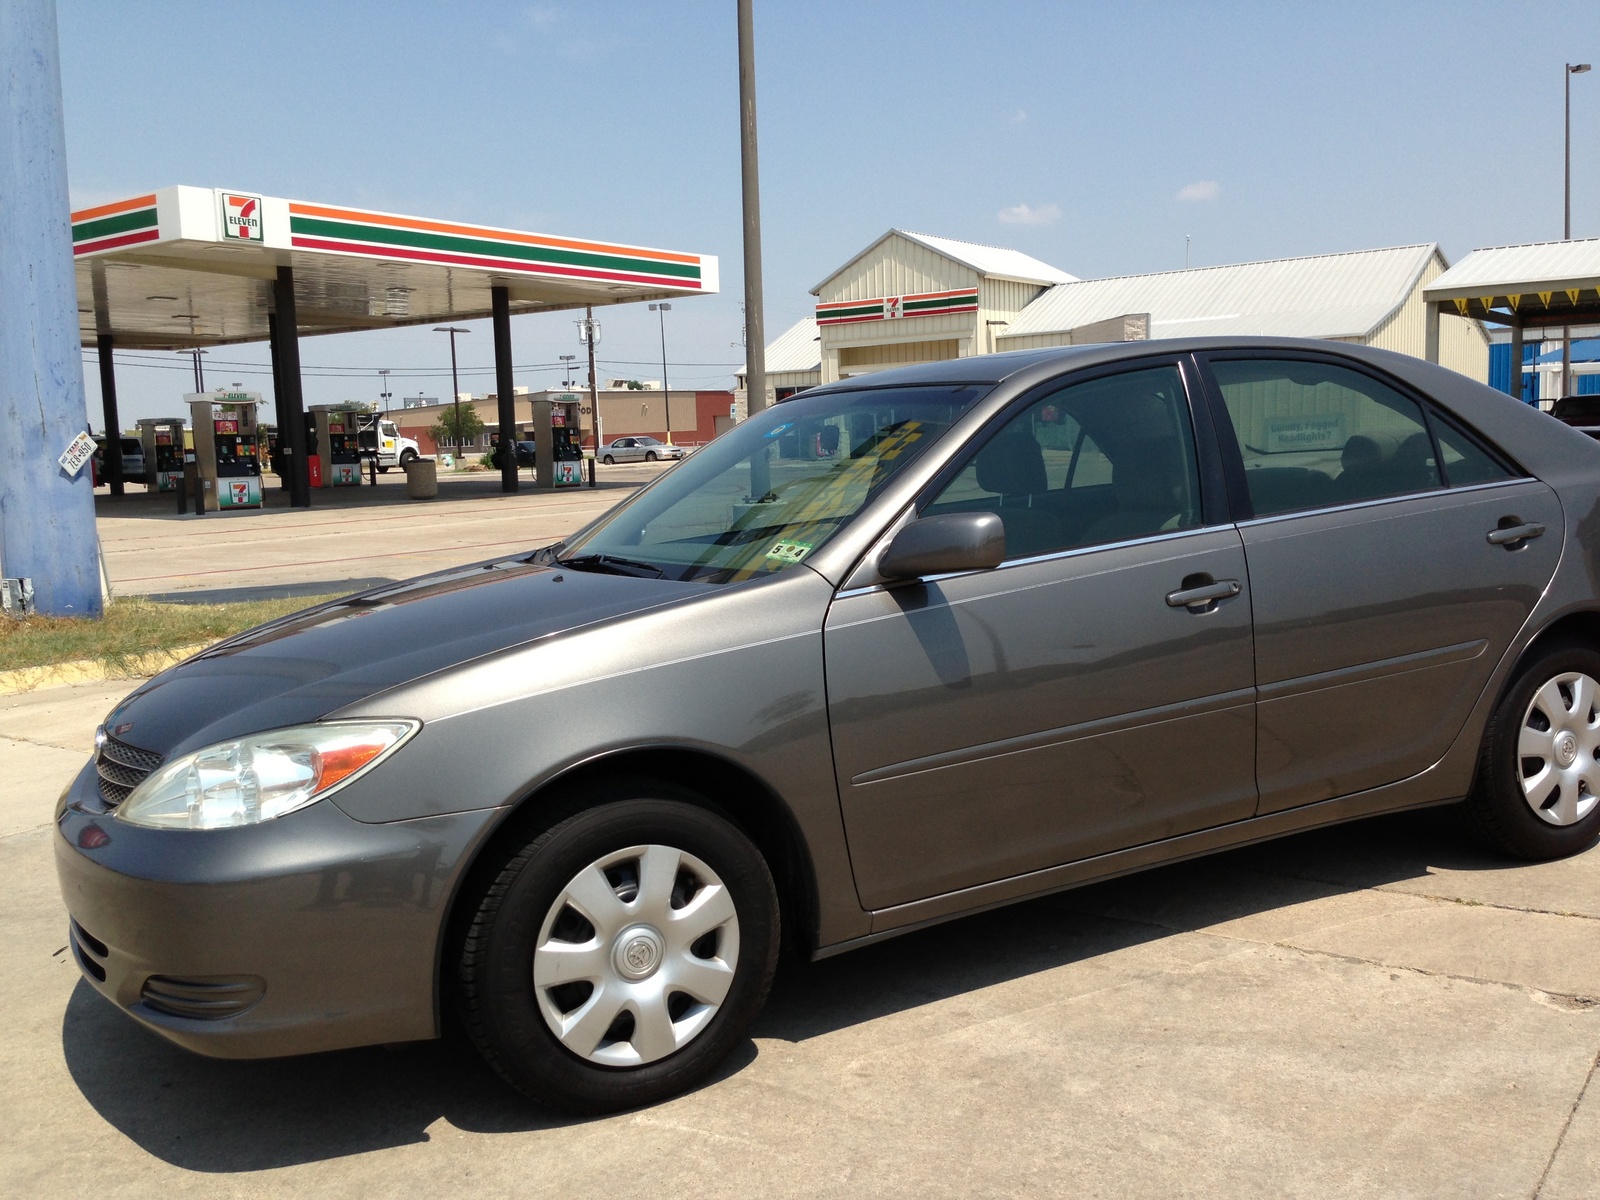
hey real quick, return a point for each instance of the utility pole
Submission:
(1566, 219)
(589, 333)
(455, 388)
(755, 380)
(47, 527)
(661, 310)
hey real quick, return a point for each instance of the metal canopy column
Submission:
(108, 403)
(1516, 360)
(501, 298)
(291, 404)
(1430, 332)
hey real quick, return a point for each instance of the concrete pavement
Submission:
(1376, 1010)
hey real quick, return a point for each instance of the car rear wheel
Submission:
(619, 955)
(1537, 794)
(609, 461)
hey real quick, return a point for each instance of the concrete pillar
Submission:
(500, 299)
(286, 378)
(1516, 360)
(830, 365)
(47, 531)
(1430, 334)
(108, 408)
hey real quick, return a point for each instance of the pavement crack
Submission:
(1569, 1000)
(1469, 903)
(1566, 1126)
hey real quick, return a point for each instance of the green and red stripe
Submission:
(110, 226)
(345, 231)
(925, 304)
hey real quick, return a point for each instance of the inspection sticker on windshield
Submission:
(789, 551)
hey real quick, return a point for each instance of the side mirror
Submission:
(964, 541)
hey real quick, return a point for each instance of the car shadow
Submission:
(214, 1115)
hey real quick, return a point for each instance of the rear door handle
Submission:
(1200, 597)
(1510, 537)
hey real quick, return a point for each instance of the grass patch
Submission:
(132, 626)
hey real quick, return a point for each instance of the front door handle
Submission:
(1200, 598)
(1513, 536)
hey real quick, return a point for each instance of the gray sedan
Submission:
(638, 449)
(893, 651)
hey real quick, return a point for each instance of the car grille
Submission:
(211, 998)
(122, 768)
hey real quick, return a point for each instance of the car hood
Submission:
(302, 667)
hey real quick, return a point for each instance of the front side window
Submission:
(1315, 434)
(1106, 460)
(769, 493)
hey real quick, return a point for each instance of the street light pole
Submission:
(662, 310)
(455, 388)
(566, 369)
(383, 394)
(1566, 216)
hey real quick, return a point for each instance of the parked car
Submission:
(1046, 617)
(1581, 412)
(132, 459)
(638, 449)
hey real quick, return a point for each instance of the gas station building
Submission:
(185, 268)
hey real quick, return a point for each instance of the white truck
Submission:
(380, 438)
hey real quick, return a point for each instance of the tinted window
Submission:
(1314, 434)
(1465, 462)
(1102, 461)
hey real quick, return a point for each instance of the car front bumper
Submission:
(307, 933)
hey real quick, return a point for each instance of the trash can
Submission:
(422, 479)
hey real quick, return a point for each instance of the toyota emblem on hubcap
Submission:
(638, 952)
(1566, 749)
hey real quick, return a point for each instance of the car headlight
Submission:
(262, 776)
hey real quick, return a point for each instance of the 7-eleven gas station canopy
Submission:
(184, 267)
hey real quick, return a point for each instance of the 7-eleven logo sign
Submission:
(241, 218)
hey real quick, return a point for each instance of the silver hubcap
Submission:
(636, 955)
(1558, 750)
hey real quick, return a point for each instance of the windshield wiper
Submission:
(611, 564)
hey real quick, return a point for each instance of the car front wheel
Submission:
(619, 955)
(649, 456)
(410, 456)
(1537, 794)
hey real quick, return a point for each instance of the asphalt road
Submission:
(1377, 1010)
(349, 537)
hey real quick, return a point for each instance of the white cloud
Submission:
(540, 15)
(1201, 190)
(1028, 214)
(1019, 116)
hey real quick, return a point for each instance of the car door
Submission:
(1092, 693)
(1381, 603)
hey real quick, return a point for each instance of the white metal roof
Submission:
(991, 261)
(995, 261)
(1324, 295)
(1497, 270)
(795, 349)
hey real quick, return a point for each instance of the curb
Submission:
(94, 670)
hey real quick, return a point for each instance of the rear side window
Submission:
(1315, 434)
(1466, 462)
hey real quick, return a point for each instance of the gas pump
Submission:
(336, 441)
(162, 439)
(557, 451)
(225, 448)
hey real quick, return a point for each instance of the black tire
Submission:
(609, 461)
(407, 457)
(501, 1005)
(649, 456)
(383, 470)
(1497, 810)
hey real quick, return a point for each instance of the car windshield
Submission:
(816, 461)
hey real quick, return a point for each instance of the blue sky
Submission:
(1094, 136)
